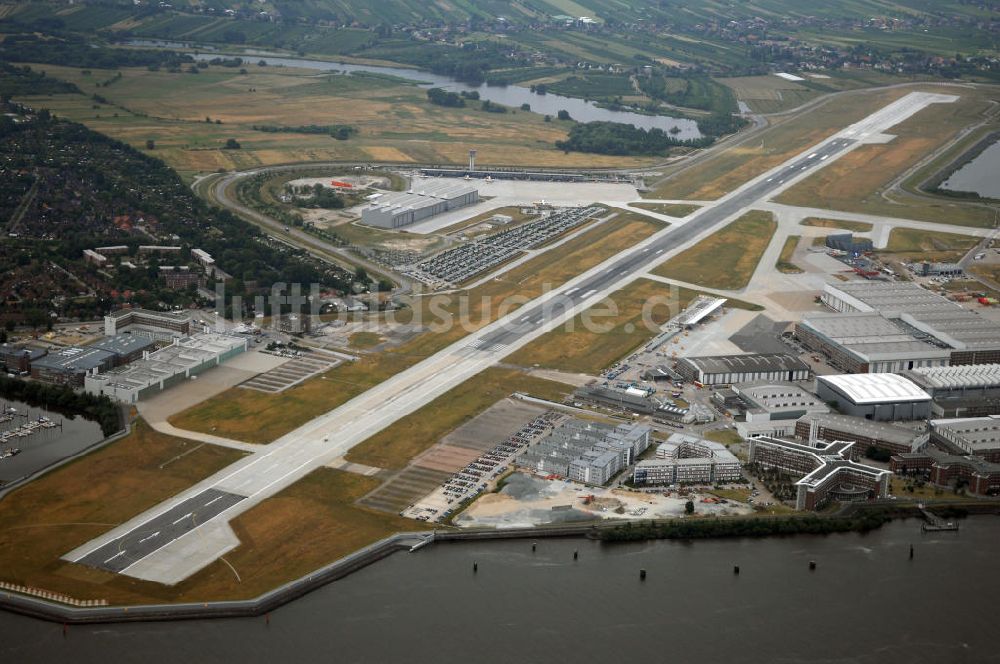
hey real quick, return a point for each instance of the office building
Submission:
(829, 427)
(586, 452)
(159, 325)
(687, 459)
(826, 472)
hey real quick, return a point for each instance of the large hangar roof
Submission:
(875, 388)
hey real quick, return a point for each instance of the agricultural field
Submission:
(71, 505)
(190, 117)
(908, 244)
(257, 417)
(726, 259)
(770, 94)
(861, 180)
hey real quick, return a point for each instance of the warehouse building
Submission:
(729, 369)
(125, 347)
(979, 436)
(847, 243)
(827, 471)
(684, 459)
(18, 359)
(68, 366)
(869, 343)
(171, 365)
(828, 427)
(159, 325)
(586, 452)
(763, 401)
(960, 391)
(423, 201)
(882, 397)
(921, 316)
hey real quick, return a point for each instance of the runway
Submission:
(120, 553)
(333, 434)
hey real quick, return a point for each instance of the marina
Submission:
(33, 438)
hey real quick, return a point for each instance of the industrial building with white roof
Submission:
(883, 396)
(183, 359)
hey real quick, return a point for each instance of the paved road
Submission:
(122, 552)
(332, 435)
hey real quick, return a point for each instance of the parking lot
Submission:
(453, 453)
(298, 369)
(460, 264)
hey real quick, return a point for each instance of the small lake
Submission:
(980, 176)
(44, 446)
(512, 96)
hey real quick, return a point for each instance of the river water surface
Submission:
(512, 95)
(865, 602)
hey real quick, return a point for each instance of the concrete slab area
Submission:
(504, 193)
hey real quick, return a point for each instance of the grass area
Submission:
(784, 263)
(395, 446)
(898, 487)
(910, 244)
(770, 94)
(727, 259)
(727, 170)
(855, 226)
(70, 506)
(257, 417)
(724, 436)
(991, 272)
(857, 181)
(364, 340)
(395, 122)
(310, 524)
(512, 211)
(621, 323)
(669, 209)
(735, 495)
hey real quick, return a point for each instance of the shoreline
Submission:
(862, 518)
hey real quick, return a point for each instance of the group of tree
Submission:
(64, 399)
(341, 132)
(442, 97)
(616, 138)
(862, 521)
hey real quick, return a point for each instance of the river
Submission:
(512, 95)
(865, 602)
(980, 176)
(45, 446)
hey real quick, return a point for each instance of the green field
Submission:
(727, 259)
(610, 330)
(784, 263)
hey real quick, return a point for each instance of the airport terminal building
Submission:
(423, 201)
